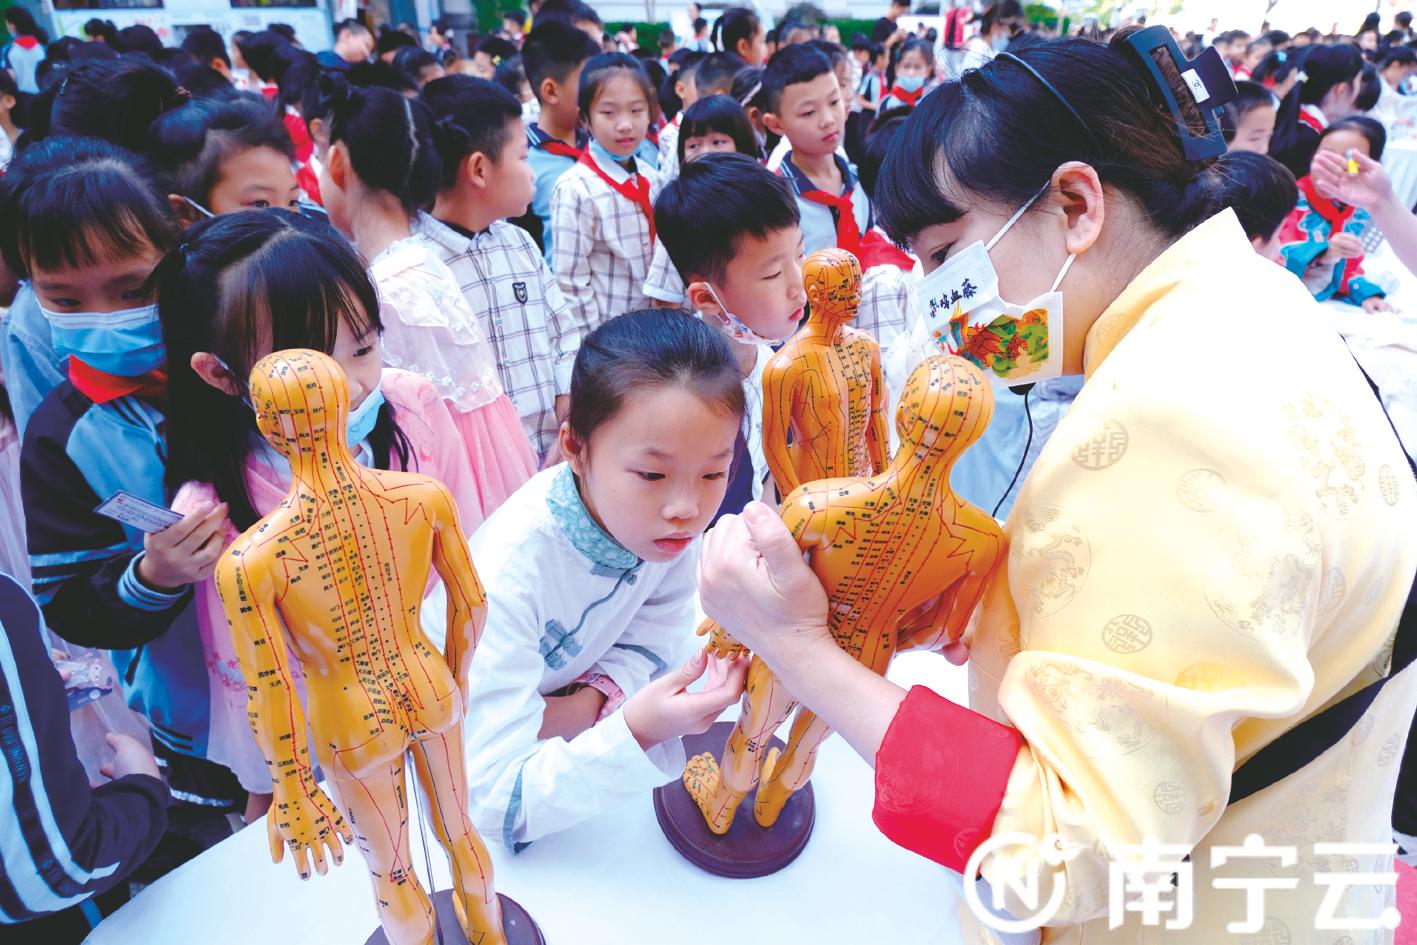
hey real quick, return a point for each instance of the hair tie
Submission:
(751, 95)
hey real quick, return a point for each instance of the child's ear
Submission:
(550, 91)
(702, 300)
(182, 210)
(571, 448)
(220, 66)
(337, 164)
(210, 369)
(475, 169)
(771, 123)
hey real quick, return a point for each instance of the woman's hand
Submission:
(1368, 188)
(754, 583)
(665, 708)
(185, 552)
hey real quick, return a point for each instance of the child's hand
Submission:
(186, 552)
(1345, 246)
(130, 756)
(1377, 303)
(664, 709)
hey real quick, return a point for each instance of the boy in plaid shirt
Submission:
(486, 179)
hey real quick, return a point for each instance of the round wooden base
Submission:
(747, 851)
(519, 927)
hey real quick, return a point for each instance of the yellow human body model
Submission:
(904, 563)
(335, 576)
(826, 386)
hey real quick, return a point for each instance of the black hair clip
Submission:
(1205, 76)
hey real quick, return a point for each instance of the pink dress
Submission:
(429, 329)
(436, 452)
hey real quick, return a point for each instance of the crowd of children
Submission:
(552, 279)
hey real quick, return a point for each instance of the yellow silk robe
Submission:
(1217, 542)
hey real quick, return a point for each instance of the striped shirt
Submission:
(602, 251)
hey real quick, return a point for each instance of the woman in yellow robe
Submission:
(1216, 543)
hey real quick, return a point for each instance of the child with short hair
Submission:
(1322, 238)
(731, 228)
(487, 180)
(805, 106)
(602, 211)
(383, 166)
(552, 58)
(1247, 120)
(1262, 193)
(712, 125)
(713, 75)
(577, 704)
(914, 68)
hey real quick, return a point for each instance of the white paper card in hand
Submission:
(137, 513)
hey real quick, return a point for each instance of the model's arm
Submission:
(467, 603)
(302, 815)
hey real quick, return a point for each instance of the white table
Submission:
(612, 880)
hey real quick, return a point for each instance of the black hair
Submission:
(1276, 38)
(666, 39)
(509, 75)
(646, 349)
(737, 24)
(835, 52)
(69, 202)
(284, 29)
(606, 66)
(1275, 66)
(204, 82)
(700, 24)
(1248, 97)
(1001, 134)
(116, 101)
(1371, 129)
(103, 30)
(349, 26)
(1326, 67)
(391, 38)
(260, 50)
(139, 39)
(702, 215)
(497, 48)
(722, 114)
(389, 138)
(470, 116)
(22, 23)
(682, 55)
(748, 87)
(1399, 55)
(1369, 88)
(882, 136)
(1261, 191)
(240, 282)
(190, 144)
(791, 65)
(517, 16)
(554, 50)
(715, 72)
(206, 44)
(375, 74)
(412, 60)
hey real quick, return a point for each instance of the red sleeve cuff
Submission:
(941, 773)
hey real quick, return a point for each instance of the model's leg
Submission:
(376, 807)
(766, 703)
(438, 762)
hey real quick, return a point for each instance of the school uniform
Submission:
(31, 366)
(602, 217)
(508, 286)
(549, 158)
(610, 620)
(669, 148)
(823, 222)
(663, 283)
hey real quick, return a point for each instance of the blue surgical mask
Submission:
(363, 417)
(910, 83)
(126, 343)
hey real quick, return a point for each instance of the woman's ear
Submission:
(1079, 192)
(209, 368)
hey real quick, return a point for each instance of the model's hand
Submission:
(720, 643)
(665, 708)
(1367, 189)
(186, 552)
(130, 756)
(303, 818)
(754, 583)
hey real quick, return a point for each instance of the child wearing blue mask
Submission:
(914, 70)
(241, 286)
(82, 220)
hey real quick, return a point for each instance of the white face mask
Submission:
(734, 327)
(1012, 344)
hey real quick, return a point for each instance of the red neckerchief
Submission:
(558, 147)
(26, 42)
(635, 190)
(101, 387)
(1307, 119)
(1336, 214)
(909, 98)
(848, 234)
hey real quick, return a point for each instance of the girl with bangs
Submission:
(83, 223)
(241, 286)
